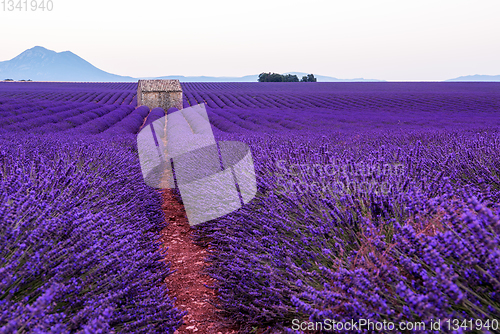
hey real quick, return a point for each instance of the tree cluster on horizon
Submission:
(276, 77)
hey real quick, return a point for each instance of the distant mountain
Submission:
(322, 78)
(255, 77)
(181, 78)
(40, 64)
(477, 77)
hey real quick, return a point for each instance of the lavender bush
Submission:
(79, 239)
(426, 247)
(121, 93)
(375, 201)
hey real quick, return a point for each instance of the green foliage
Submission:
(309, 78)
(290, 78)
(276, 77)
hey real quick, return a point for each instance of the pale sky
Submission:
(390, 40)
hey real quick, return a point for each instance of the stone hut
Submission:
(159, 93)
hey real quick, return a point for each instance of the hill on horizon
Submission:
(477, 78)
(41, 64)
(255, 77)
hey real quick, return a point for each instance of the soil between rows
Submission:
(187, 282)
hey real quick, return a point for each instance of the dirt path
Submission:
(187, 282)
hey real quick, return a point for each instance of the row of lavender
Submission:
(325, 201)
(395, 228)
(343, 96)
(277, 107)
(20, 87)
(380, 88)
(126, 98)
(271, 107)
(79, 239)
(102, 93)
(384, 206)
(324, 120)
(46, 116)
(79, 231)
(345, 101)
(87, 118)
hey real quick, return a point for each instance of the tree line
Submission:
(276, 77)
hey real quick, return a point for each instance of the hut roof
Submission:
(160, 86)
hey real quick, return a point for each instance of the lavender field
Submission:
(375, 201)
